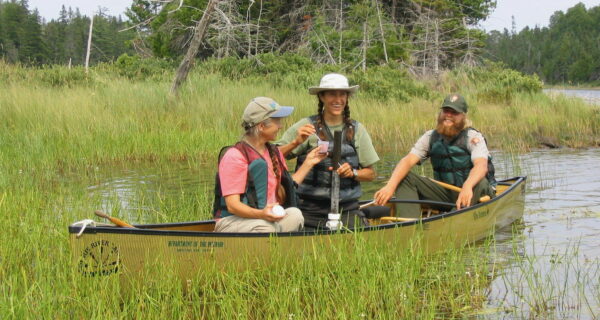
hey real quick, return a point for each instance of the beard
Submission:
(450, 131)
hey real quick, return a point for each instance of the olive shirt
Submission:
(367, 155)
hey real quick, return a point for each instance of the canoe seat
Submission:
(376, 212)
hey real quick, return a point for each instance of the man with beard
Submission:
(459, 156)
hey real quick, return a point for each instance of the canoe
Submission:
(106, 249)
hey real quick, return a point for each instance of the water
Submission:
(590, 96)
(560, 226)
(560, 230)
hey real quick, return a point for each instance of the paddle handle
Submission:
(116, 221)
(457, 189)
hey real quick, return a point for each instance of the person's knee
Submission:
(293, 220)
(483, 188)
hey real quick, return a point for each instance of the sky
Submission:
(526, 12)
(49, 9)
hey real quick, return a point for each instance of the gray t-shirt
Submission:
(475, 144)
(367, 155)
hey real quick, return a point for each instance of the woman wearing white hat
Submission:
(358, 153)
(253, 183)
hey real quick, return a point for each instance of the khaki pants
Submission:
(293, 221)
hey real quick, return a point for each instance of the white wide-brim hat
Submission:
(333, 81)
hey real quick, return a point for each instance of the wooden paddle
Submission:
(116, 221)
(335, 178)
(457, 189)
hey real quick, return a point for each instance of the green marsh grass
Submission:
(49, 133)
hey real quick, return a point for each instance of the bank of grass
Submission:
(48, 132)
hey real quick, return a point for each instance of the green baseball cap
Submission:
(262, 108)
(456, 102)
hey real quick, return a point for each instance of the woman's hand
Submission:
(384, 194)
(314, 157)
(303, 133)
(268, 213)
(345, 171)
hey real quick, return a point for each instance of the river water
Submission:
(589, 96)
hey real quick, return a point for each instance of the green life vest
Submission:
(451, 160)
(256, 181)
(317, 183)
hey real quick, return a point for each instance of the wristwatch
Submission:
(354, 173)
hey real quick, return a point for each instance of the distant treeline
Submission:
(567, 51)
(27, 39)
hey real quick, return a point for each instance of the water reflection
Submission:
(131, 191)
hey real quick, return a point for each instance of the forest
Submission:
(565, 52)
(27, 39)
(423, 37)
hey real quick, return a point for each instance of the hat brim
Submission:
(316, 90)
(451, 107)
(282, 112)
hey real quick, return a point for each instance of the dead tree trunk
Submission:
(188, 60)
(89, 45)
(341, 28)
(381, 31)
(365, 47)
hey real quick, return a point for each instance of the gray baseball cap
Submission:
(262, 108)
(456, 102)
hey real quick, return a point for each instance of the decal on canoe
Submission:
(100, 258)
(194, 246)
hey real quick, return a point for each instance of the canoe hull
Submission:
(108, 250)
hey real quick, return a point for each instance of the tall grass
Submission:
(49, 132)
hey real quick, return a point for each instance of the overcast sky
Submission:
(50, 9)
(526, 12)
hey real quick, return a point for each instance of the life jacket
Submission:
(255, 195)
(317, 183)
(451, 160)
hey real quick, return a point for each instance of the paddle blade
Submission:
(337, 149)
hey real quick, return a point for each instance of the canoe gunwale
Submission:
(147, 229)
